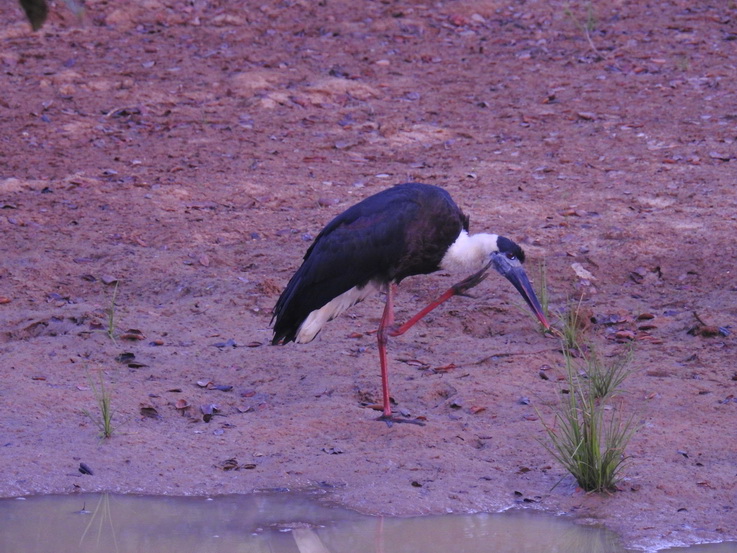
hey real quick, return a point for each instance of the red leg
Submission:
(387, 322)
(387, 328)
(458, 289)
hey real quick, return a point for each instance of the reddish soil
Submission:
(191, 150)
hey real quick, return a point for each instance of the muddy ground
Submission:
(190, 151)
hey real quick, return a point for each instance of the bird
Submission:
(405, 230)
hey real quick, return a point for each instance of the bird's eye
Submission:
(511, 256)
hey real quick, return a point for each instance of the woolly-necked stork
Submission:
(410, 229)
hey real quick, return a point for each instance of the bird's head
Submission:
(507, 260)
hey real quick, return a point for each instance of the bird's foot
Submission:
(391, 419)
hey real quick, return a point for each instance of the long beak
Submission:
(514, 273)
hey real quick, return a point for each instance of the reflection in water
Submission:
(273, 523)
(101, 518)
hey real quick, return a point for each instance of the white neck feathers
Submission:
(469, 252)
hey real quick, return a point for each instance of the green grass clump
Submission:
(589, 435)
(103, 419)
(588, 438)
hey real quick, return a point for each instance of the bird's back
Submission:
(398, 232)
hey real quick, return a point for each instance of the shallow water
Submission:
(274, 523)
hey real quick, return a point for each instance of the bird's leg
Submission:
(458, 289)
(461, 288)
(387, 322)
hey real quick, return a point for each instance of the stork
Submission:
(409, 229)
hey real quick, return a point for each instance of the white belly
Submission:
(317, 319)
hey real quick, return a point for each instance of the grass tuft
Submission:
(111, 313)
(586, 24)
(573, 323)
(104, 418)
(543, 291)
(588, 437)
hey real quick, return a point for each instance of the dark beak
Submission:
(512, 270)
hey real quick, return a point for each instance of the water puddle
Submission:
(275, 523)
